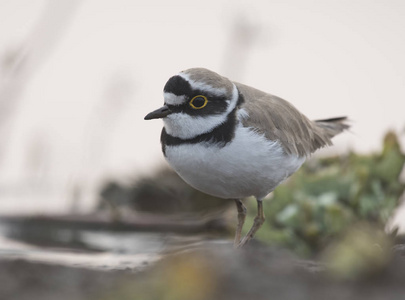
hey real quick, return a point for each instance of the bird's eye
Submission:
(198, 102)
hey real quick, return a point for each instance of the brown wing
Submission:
(279, 120)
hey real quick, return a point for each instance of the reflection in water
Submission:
(91, 249)
(121, 251)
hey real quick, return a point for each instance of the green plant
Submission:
(328, 195)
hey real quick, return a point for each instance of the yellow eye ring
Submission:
(197, 97)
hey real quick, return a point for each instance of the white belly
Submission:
(250, 165)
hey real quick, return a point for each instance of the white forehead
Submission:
(173, 99)
(204, 87)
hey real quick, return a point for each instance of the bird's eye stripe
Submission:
(198, 99)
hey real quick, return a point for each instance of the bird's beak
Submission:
(159, 113)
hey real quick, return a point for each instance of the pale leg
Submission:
(258, 222)
(241, 220)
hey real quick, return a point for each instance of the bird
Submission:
(233, 141)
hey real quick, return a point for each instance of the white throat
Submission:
(185, 126)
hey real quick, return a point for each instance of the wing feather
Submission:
(279, 120)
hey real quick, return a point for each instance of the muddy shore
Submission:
(210, 270)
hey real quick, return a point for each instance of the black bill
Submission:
(159, 113)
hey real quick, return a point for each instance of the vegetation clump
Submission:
(328, 196)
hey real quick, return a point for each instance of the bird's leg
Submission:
(241, 220)
(257, 223)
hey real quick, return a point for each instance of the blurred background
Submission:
(80, 170)
(77, 78)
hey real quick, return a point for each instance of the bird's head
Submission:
(195, 102)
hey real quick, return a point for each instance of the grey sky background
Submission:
(87, 72)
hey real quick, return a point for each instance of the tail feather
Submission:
(333, 126)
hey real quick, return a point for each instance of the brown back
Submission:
(279, 120)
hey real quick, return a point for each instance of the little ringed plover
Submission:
(233, 141)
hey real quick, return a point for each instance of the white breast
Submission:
(250, 165)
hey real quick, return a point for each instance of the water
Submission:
(115, 251)
(94, 249)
